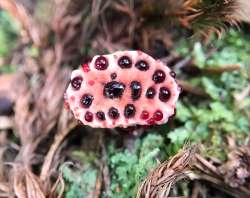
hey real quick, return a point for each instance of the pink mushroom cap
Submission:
(122, 89)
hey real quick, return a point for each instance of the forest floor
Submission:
(44, 152)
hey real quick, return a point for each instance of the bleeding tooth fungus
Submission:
(127, 88)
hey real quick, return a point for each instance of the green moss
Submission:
(209, 120)
(130, 168)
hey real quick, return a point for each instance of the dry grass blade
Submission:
(54, 188)
(26, 184)
(45, 172)
(159, 182)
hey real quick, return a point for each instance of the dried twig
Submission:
(225, 68)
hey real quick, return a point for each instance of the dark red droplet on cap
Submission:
(129, 111)
(173, 74)
(124, 62)
(86, 100)
(142, 65)
(159, 76)
(151, 121)
(144, 115)
(76, 82)
(101, 63)
(158, 115)
(164, 94)
(150, 93)
(113, 76)
(136, 89)
(100, 115)
(88, 116)
(113, 113)
(113, 89)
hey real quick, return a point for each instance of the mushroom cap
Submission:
(122, 89)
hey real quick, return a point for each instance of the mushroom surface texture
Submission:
(122, 89)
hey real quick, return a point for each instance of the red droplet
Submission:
(144, 115)
(66, 105)
(158, 115)
(76, 82)
(91, 82)
(151, 121)
(72, 98)
(65, 102)
(89, 116)
(101, 63)
(85, 67)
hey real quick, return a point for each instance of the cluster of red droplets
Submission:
(157, 116)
